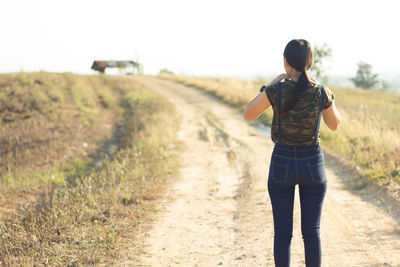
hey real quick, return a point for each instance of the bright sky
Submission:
(207, 37)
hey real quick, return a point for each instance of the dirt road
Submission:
(218, 213)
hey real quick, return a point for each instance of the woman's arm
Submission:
(260, 102)
(332, 117)
(256, 107)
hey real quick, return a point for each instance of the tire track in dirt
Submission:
(217, 213)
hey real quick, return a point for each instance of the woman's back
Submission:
(297, 158)
(299, 123)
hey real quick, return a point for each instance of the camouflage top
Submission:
(299, 124)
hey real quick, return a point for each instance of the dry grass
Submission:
(233, 91)
(368, 137)
(40, 124)
(84, 213)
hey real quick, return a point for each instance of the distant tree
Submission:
(321, 53)
(364, 77)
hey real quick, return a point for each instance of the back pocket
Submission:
(317, 172)
(279, 172)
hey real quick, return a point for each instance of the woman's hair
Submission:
(299, 55)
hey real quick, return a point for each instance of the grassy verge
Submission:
(368, 137)
(87, 210)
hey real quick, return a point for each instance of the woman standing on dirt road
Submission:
(298, 102)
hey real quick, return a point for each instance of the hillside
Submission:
(81, 158)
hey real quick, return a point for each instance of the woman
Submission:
(298, 102)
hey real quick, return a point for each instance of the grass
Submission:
(86, 211)
(39, 119)
(369, 135)
(368, 138)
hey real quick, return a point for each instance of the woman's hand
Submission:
(279, 78)
(313, 80)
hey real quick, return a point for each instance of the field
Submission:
(368, 138)
(81, 159)
(96, 169)
(223, 206)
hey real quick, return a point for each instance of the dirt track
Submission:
(218, 213)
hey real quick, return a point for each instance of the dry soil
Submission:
(218, 212)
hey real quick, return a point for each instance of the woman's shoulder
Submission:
(271, 90)
(284, 84)
(327, 90)
(288, 82)
(329, 96)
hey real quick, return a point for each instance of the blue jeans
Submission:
(305, 166)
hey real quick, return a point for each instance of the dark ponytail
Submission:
(299, 55)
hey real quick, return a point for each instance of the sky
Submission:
(205, 38)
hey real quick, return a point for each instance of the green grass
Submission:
(85, 214)
(368, 138)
